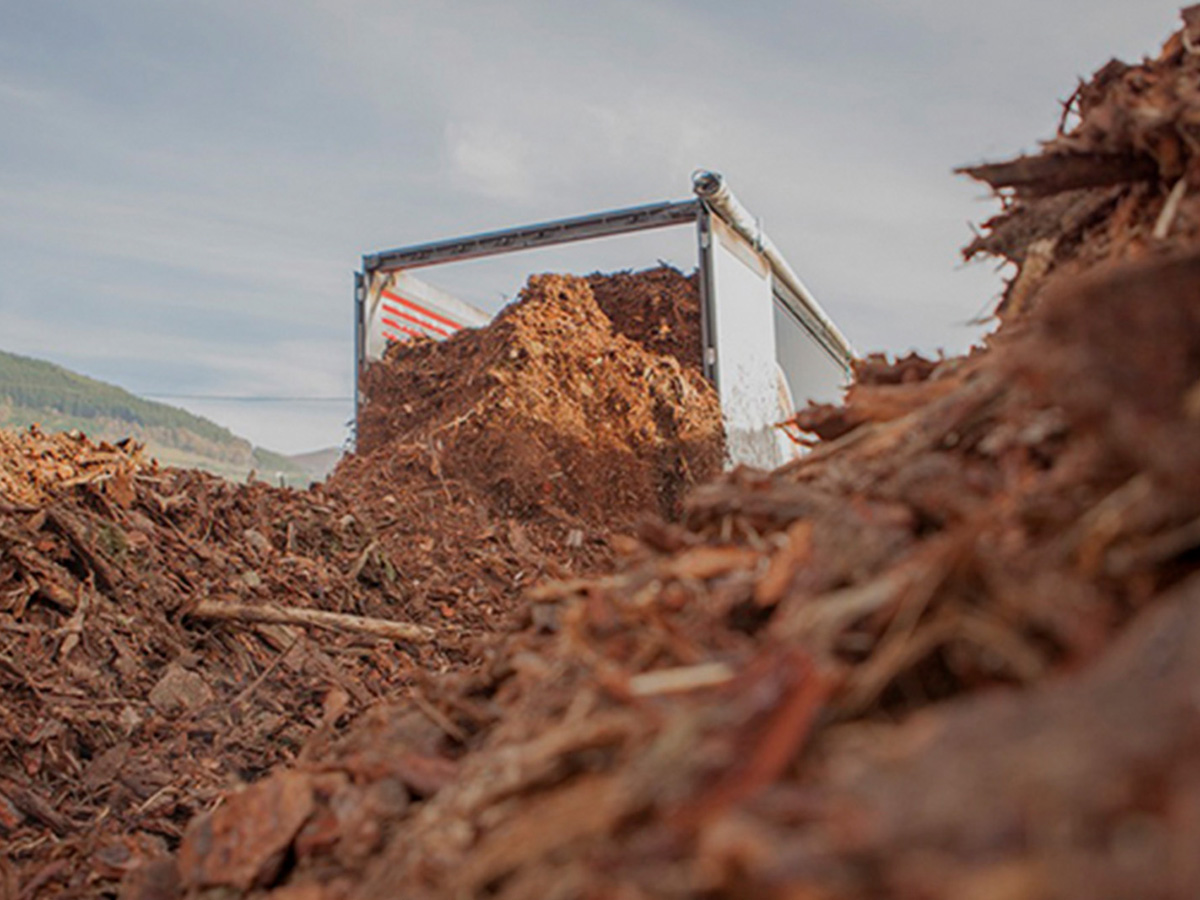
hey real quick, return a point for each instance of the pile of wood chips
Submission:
(950, 653)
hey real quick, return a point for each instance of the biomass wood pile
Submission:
(952, 652)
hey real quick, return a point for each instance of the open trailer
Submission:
(767, 344)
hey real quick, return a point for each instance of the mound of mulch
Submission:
(552, 412)
(515, 452)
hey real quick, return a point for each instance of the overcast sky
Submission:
(186, 188)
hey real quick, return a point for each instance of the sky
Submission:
(187, 188)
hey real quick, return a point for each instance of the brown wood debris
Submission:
(951, 652)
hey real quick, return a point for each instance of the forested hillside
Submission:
(57, 399)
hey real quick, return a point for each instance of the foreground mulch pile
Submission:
(951, 652)
(954, 653)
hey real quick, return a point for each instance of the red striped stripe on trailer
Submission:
(411, 332)
(420, 309)
(400, 314)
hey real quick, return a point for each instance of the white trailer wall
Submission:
(749, 381)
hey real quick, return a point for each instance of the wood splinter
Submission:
(222, 611)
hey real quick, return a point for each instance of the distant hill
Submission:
(318, 463)
(57, 399)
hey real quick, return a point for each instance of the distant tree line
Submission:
(36, 384)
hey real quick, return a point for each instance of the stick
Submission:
(1170, 210)
(1041, 176)
(221, 611)
(680, 680)
(245, 695)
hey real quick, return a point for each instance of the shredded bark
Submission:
(950, 652)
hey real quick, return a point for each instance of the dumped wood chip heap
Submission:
(555, 410)
(952, 652)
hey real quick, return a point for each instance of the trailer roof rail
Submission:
(527, 237)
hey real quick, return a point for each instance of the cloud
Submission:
(287, 366)
(489, 159)
(14, 94)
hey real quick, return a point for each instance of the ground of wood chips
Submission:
(952, 652)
